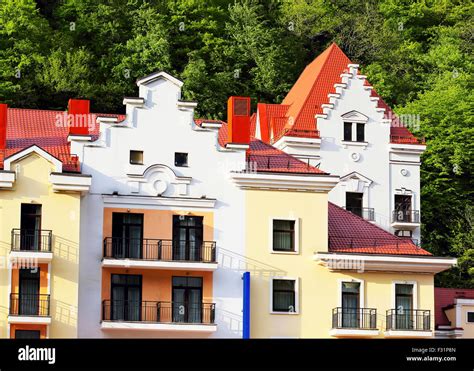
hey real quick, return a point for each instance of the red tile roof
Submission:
(44, 128)
(263, 157)
(310, 91)
(444, 297)
(350, 233)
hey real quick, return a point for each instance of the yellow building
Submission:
(40, 195)
(321, 271)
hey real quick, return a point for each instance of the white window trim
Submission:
(361, 291)
(415, 292)
(297, 295)
(297, 236)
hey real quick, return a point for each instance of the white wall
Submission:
(160, 128)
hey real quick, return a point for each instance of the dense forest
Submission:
(417, 54)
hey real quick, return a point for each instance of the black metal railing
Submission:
(159, 250)
(29, 305)
(354, 318)
(31, 240)
(342, 242)
(257, 162)
(158, 312)
(364, 212)
(403, 319)
(406, 216)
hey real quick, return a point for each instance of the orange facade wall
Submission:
(158, 224)
(157, 284)
(43, 279)
(40, 328)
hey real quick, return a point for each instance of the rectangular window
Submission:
(403, 233)
(348, 131)
(136, 157)
(283, 235)
(180, 159)
(354, 202)
(27, 334)
(470, 317)
(360, 132)
(284, 296)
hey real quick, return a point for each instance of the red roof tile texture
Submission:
(444, 297)
(305, 98)
(46, 129)
(350, 233)
(263, 157)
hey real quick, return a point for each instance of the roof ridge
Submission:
(331, 49)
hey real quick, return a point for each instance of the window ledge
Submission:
(285, 252)
(285, 313)
(347, 143)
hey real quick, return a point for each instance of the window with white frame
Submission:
(284, 235)
(284, 295)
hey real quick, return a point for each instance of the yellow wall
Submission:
(468, 327)
(61, 214)
(318, 287)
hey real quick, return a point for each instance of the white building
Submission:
(158, 177)
(333, 117)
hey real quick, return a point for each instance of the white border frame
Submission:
(296, 235)
(297, 295)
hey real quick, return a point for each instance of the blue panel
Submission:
(246, 309)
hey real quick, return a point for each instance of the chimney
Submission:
(238, 119)
(3, 125)
(78, 120)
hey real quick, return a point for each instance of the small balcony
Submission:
(158, 316)
(159, 254)
(29, 309)
(354, 322)
(406, 219)
(34, 244)
(408, 323)
(366, 213)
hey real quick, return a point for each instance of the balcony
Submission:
(158, 316)
(29, 309)
(366, 213)
(159, 254)
(354, 322)
(408, 323)
(31, 244)
(406, 219)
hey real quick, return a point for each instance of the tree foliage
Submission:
(417, 54)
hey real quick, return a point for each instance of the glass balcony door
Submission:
(29, 286)
(187, 237)
(187, 299)
(126, 297)
(354, 202)
(350, 304)
(404, 306)
(127, 235)
(30, 232)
